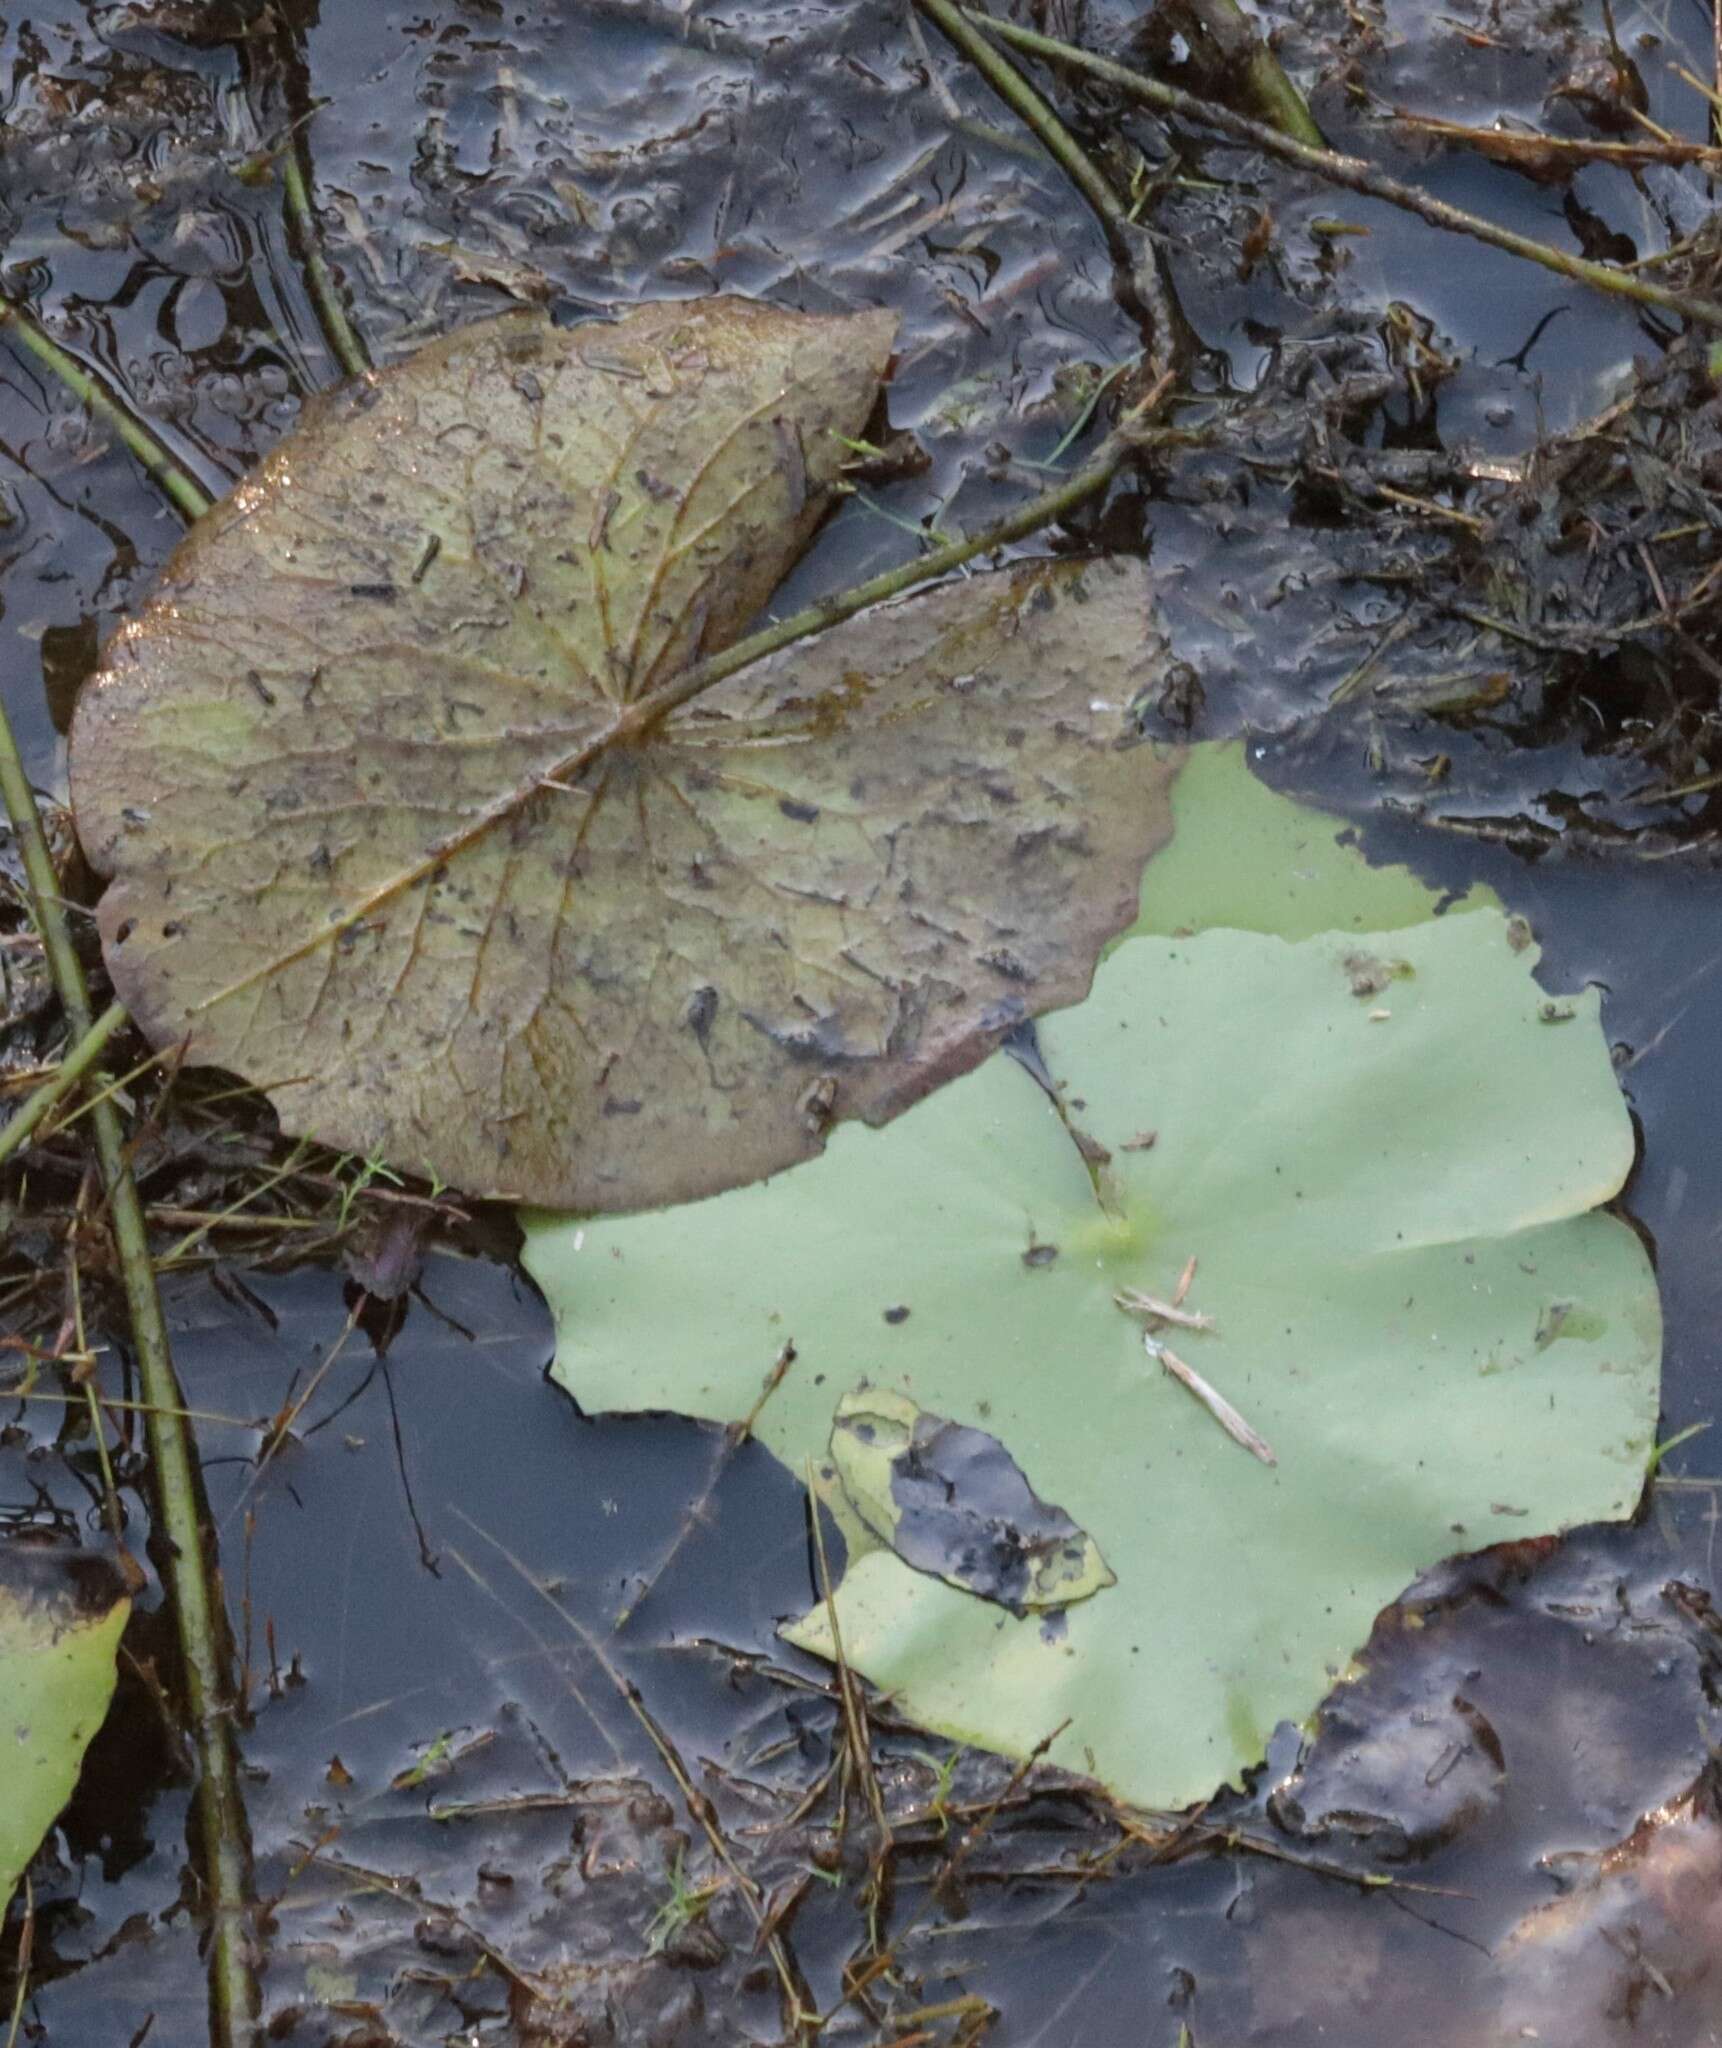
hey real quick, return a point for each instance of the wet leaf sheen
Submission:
(385, 839)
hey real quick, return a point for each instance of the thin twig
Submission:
(205, 1224)
(338, 330)
(111, 1088)
(1131, 243)
(111, 1512)
(546, 1649)
(1353, 684)
(111, 1401)
(1130, 437)
(1353, 173)
(700, 1809)
(281, 1428)
(734, 1436)
(854, 1706)
(1700, 785)
(1150, 1305)
(1716, 43)
(186, 1567)
(857, 1982)
(26, 1948)
(139, 438)
(1197, 1833)
(858, 1738)
(1525, 149)
(942, 92)
(406, 1892)
(1211, 1398)
(72, 1069)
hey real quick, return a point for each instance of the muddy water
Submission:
(387, 1571)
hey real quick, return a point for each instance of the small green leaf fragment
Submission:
(62, 1612)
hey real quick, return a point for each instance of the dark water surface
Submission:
(384, 1568)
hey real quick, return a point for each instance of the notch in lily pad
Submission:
(951, 1500)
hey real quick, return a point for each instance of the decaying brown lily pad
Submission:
(391, 835)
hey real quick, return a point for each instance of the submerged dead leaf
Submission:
(391, 836)
(1630, 1952)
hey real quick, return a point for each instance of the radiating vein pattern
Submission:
(326, 770)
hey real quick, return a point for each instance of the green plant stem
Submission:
(131, 430)
(1270, 91)
(1021, 97)
(1128, 438)
(186, 1566)
(339, 332)
(1354, 174)
(72, 1069)
(1131, 243)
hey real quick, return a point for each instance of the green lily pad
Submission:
(62, 1612)
(402, 823)
(1388, 1196)
(1243, 856)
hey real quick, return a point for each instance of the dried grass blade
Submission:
(1215, 1402)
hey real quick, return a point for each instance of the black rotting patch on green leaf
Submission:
(953, 1502)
